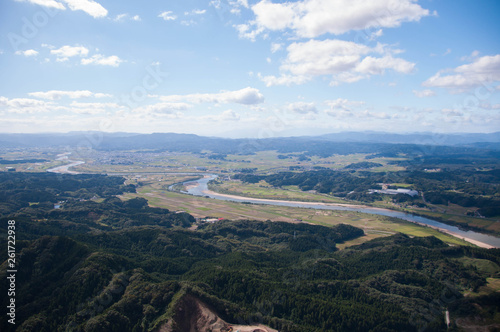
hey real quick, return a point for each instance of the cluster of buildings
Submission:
(209, 220)
(410, 192)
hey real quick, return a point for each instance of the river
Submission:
(65, 168)
(200, 188)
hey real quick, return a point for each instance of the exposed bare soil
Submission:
(192, 315)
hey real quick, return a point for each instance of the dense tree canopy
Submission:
(124, 266)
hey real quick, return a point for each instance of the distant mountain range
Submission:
(195, 143)
(414, 138)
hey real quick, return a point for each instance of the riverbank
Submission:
(211, 193)
(64, 169)
(268, 200)
(459, 236)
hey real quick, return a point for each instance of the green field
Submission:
(264, 190)
(484, 266)
(263, 161)
(373, 225)
(452, 213)
(147, 163)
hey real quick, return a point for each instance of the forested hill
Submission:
(123, 266)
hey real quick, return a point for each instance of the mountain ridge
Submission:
(96, 137)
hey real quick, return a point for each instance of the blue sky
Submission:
(244, 68)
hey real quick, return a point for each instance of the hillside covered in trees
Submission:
(97, 263)
(470, 188)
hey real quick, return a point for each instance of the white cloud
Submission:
(470, 57)
(65, 52)
(90, 7)
(245, 31)
(342, 108)
(124, 17)
(188, 23)
(58, 94)
(94, 105)
(27, 53)
(162, 108)
(168, 16)
(451, 112)
(345, 61)
(102, 95)
(374, 115)
(313, 18)
(121, 17)
(339, 113)
(482, 71)
(99, 59)
(302, 107)
(246, 96)
(23, 105)
(424, 93)
(20, 102)
(243, 3)
(275, 16)
(323, 57)
(47, 3)
(229, 115)
(232, 6)
(217, 4)
(275, 47)
(92, 108)
(287, 80)
(343, 103)
(347, 77)
(376, 34)
(377, 66)
(88, 111)
(488, 106)
(196, 12)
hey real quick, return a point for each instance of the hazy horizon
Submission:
(366, 132)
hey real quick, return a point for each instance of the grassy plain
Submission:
(262, 189)
(265, 190)
(488, 269)
(374, 226)
(145, 165)
(264, 162)
(455, 214)
(485, 266)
